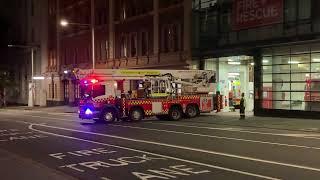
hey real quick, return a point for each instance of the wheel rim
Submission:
(192, 111)
(136, 115)
(108, 116)
(175, 115)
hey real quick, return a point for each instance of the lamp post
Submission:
(66, 23)
(31, 84)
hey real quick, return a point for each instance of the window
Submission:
(291, 81)
(55, 91)
(304, 9)
(50, 91)
(107, 49)
(170, 38)
(123, 46)
(134, 45)
(290, 10)
(32, 35)
(32, 8)
(103, 50)
(144, 43)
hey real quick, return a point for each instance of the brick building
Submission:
(128, 34)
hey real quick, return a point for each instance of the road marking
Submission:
(234, 130)
(306, 136)
(146, 152)
(189, 149)
(217, 137)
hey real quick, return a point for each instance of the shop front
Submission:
(234, 77)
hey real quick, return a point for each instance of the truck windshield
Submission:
(90, 91)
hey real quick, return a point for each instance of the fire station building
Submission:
(268, 49)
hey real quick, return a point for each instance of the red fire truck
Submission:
(132, 95)
(312, 95)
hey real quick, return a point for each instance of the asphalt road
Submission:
(38, 145)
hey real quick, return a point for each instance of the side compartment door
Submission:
(206, 104)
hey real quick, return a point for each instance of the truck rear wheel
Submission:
(191, 111)
(175, 113)
(136, 114)
(108, 116)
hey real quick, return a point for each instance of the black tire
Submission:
(162, 117)
(175, 113)
(108, 116)
(136, 114)
(191, 111)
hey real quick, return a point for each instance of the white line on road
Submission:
(190, 149)
(235, 130)
(146, 152)
(304, 136)
(210, 128)
(217, 137)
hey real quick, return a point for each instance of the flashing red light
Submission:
(93, 81)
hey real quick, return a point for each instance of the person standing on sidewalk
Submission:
(242, 107)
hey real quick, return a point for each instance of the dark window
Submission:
(290, 10)
(144, 43)
(304, 9)
(123, 46)
(32, 7)
(134, 45)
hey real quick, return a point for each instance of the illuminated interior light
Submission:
(234, 74)
(293, 62)
(234, 63)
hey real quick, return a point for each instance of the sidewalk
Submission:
(56, 109)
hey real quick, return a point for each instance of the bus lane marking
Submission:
(188, 148)
(169, 172)
(9, 135)
(31, 127)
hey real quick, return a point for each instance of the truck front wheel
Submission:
(108, 116)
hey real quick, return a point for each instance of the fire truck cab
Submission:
(108, 95)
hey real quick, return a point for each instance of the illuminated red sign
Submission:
(253, 13)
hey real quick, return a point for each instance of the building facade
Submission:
(140, 34)
(275, 42)
(28, 30)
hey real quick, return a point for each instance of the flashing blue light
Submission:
(88, 112)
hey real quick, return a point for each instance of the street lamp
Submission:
(31, 85)
(66, 23)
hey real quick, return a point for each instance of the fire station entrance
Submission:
(235, 75)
